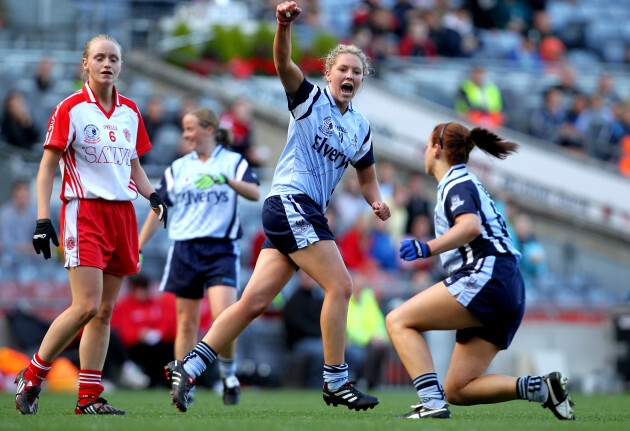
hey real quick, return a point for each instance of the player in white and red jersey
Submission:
(96, 135)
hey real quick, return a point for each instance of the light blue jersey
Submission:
(460, 192)
(198, 212)
(321, 144)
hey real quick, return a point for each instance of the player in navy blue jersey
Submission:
(203, 188)
(326, 135)
(483, 297)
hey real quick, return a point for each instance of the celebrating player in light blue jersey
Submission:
(483, 297)
(203, 188)
(326, 135)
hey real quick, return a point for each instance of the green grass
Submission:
(304, 410)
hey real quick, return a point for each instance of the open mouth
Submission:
(347, 88)
(107, 72)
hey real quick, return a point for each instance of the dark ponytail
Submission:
(224, 137)
(458, 141)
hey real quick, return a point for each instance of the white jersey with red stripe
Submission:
(98, 146)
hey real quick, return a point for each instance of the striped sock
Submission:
(199, 359)
(227, 367)
(531, 388)
(335, 376)
(89, 386)
(37, 370)
(429, 390)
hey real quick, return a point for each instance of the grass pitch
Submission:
(304, 410)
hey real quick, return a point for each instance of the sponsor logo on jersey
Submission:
(91, 133)
(108, 154)
(70, 243)
(327, 126)
(330, 152)
(127, 134)
(193, 197)
(456, 202)
(301, 226)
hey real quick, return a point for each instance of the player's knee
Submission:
(454, 395)
(392, 322)
(86, 313)
(342, 289)
(254, 308)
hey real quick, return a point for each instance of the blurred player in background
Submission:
(483, 298)
(203, 187)
(326, 135)
(97, 135)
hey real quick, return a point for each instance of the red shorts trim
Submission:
(100, 233)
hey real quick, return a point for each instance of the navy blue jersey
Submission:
(460, 192)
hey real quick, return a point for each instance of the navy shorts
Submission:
(292, 222)
(197, 264)
(492, 289)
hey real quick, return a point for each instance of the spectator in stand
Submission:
(154, 116)
(479, 101)
(397, 224)
(386, 171)
(416, 42)
(596, 121)
(16, 225)
(401, 11)
(349, 203)
(526, 56)
(552, 51)
(447, 41)
(533, 262)
(367, 336)
(459, 21)
(572, 129)
(146, 325)
(18, 127)
(382, 247)
(417, 203)
(239, 119)
(606, 89)
(567, 83)
(619, 131)
(354, 245)
(546, 122)
(301, 315)
(44, 79)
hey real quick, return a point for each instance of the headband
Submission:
(442, 133)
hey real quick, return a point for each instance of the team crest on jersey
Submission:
(91, 133)
(127, 134)
(70, 243)
(456, 202)
(327, 126)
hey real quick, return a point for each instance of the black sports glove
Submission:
(158, 204)
(44, 232)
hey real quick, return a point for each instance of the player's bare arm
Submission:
(467, 227)
(371, 191)
(289, 73)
